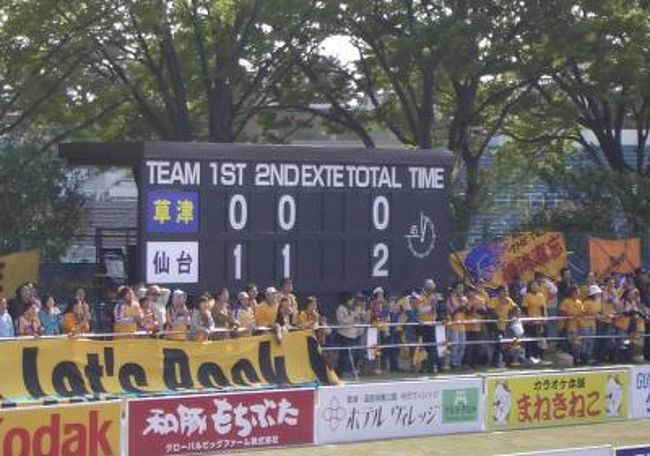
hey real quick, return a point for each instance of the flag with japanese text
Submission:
(222, 422)
(519, 255)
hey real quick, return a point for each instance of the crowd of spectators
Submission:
(466, 326)
(469, 326)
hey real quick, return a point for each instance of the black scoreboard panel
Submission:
(337, 219)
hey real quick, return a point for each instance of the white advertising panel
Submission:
(640, 392)
(402, 409)
(172, 262)
(588, 451)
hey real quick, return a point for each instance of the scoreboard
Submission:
(333, 219)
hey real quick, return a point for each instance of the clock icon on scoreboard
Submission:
(421, 238)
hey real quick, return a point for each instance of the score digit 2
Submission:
(380, 221)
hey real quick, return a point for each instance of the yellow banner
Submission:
(73, 367)
(92, 429)
(518, 255)
(16, 269)
(556, 399)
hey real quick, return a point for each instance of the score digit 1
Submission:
(286, 222)
(380, 221)
(237, 218)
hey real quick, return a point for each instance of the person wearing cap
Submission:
(426, 314)
(178, 316)
(591, 308)
(158, 298)
(266, 312)
(550, 291)
(377, 303)
(244, 314)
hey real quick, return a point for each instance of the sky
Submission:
(340, 46)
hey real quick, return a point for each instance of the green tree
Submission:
(41, 197)
(595, 58)
(185, 69)
(434, 73)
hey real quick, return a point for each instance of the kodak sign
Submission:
(68, 430)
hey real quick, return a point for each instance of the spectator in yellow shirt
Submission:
(457, 307)
(286, 291)
(284, 319)
(571, 308)
(605, 348)
(502, 308)
(592, 308)
(589, 282)
(477, 305)
(266, 312)
(534, 306)
(309, 318)
(127, 311)
(75, 319)
(426, 314)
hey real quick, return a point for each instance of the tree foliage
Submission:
(435, 73)
(595, 62)
(39, 198)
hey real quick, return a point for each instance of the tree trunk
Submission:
(221, 127)
(182, 126)
(425, 113)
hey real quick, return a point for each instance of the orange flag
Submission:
(607, 256)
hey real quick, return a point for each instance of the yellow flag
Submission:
(16, 269)
(518, 255)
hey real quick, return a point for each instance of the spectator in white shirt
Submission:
(158, 298)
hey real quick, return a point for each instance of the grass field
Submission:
(485, 444)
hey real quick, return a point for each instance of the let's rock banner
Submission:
(518, 255)
(209, 424)
(402, 409)
(72, 368)
(92, 429)
(556, 399)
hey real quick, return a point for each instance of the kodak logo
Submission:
(59, 438)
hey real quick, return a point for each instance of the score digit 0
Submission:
(380, 220)
(238, 219)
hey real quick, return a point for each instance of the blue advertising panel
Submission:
(634, 451)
